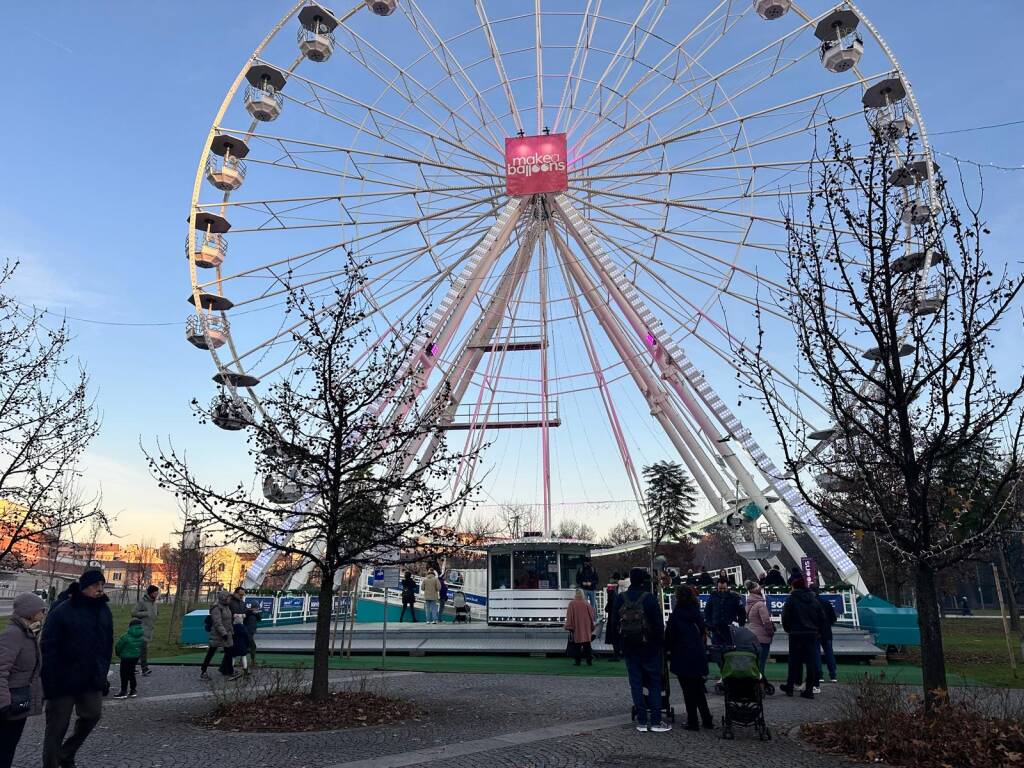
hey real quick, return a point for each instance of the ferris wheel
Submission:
(586, 198)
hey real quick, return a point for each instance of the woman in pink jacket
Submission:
(579, 620)
(759, 621)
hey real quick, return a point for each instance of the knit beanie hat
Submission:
(637, 576)
(90, 577)
(27, 605)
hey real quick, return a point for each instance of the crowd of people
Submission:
(231, 628)
(693, 637)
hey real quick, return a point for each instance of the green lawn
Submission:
(976, 648)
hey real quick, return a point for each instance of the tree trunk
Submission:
(933, 660)
(322, 644)
(1011, 594)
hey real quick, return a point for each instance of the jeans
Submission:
(762, 657)
(802, 649)
(825, 652)
(57, 750)
(431, 610)
(696, 701)
(645, 670)
(10, 735)
(128, 681)
(412, 610)
(591, 596)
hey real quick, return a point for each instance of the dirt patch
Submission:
(288, 713)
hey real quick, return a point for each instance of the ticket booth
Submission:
(530, 581)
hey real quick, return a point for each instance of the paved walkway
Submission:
(489, 721)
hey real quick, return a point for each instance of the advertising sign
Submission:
(536, 164)
(265, 603)
(809, 566)
(291, 604)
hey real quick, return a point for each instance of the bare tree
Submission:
(517, 519)
(624, 532)
(47, 418)
(345, 484)
(895, 310)
(574, 529)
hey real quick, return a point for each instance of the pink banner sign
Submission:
(536, 164)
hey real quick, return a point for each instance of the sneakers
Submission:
(642, 728)
(661, 728)
(121, 695)
(204, 676)
(147, 672)
(833, 680)
(816, 689)
(133, 695)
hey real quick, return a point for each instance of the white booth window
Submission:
(535, 569)
(501, 571)
(570, 564)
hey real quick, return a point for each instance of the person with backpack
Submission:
(640, 629)
(685, 641)
(803, 620)
(220, 635)
(724, 607)
(408, 597)
(825, 640)
(129, 649)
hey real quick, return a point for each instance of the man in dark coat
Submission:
(586, 579)
(724, 607)
(77, 643)
(827, 653)
(639, 627)
(774, 578)
(804, 621)
(704, 580)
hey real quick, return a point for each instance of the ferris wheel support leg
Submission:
(468, 359)
(300, 578)
(640, 320)
(704, 472)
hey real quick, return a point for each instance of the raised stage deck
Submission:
(478, 638)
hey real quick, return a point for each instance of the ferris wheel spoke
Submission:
(587, 28)
(498, 64)
(739, 120)
(425, 92)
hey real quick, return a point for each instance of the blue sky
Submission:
(106, 113)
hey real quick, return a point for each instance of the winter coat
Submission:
(252, 620)
(145, 611)
(684, 641)
(579, 620)
(759, 619)
(20, 665)
(221, 633)
(442, 590)
(723, 609)
(774, 578)
(431, 588)
(586, 578)
(129, 646)
(239, 641)
(704, 580)
(655, 622)
(237, 606)
(830, 618)
(610, 593)
(77, 644)
(408, 591)
(802, 614)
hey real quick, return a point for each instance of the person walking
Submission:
(21, 690)
(408, 597)
(639, 625)
(77, 643)
(826, 651)
(253, 616)
(759, 620)
(145, 612)
(804, 621)
(611, 592)
(129, 650)
(237, 602)
(685, 642)
(586, 579)
(220, 635)
(723, 608)
(580, 622)
(240, 643)
(442, 596)
(431, 589)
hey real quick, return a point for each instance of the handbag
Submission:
(21, 701)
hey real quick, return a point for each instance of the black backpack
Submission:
(634, 629)
(208, 623)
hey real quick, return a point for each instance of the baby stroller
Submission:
(744, 694)
(461, 608)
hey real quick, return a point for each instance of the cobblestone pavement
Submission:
(481, 720)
